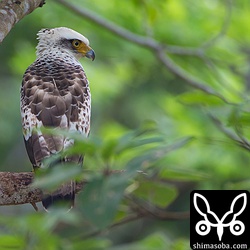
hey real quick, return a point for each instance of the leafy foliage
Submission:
(154, 137)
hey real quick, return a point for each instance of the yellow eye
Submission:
(76, 43)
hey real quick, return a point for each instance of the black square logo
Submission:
(220, 219)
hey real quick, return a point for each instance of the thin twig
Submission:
(185, 51)
(145, 213)
(130, 218)
(149, 210)
(191, 80)
(240, 140)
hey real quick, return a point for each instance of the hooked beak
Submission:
(90, 54)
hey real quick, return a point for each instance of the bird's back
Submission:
(54, 94)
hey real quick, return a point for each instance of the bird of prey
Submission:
(55, 93)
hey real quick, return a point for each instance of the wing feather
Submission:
(60, 99)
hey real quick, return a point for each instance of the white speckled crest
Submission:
(49, 37)
(61, 32)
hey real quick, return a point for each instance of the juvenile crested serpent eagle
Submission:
(55, 93)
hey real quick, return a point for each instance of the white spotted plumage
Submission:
(55, 93)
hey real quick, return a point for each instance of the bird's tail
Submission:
(64, 195)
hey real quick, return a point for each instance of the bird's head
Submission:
(64, 40)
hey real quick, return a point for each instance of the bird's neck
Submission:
(57, 54)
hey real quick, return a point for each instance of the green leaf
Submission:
(121, 147)
(238, 117)
(181, 244)
(91, 244)
(233, 118)
(108, 149)
(182, 174)
(82, 144)
(89, 147)
(134, 138)
(11, 242)
(157, 193)
(239, 185)
(53, 177)
(154, 241)
(152, 13)
(101, 197)
(155, 154)
(197, 97)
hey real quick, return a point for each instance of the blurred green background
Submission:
(139, 108)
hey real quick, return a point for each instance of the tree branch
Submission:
(238, 138)
(110, 26)
(150, 43)
(181, 73)
(12, 11)
(143, 212)
(16, 189)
